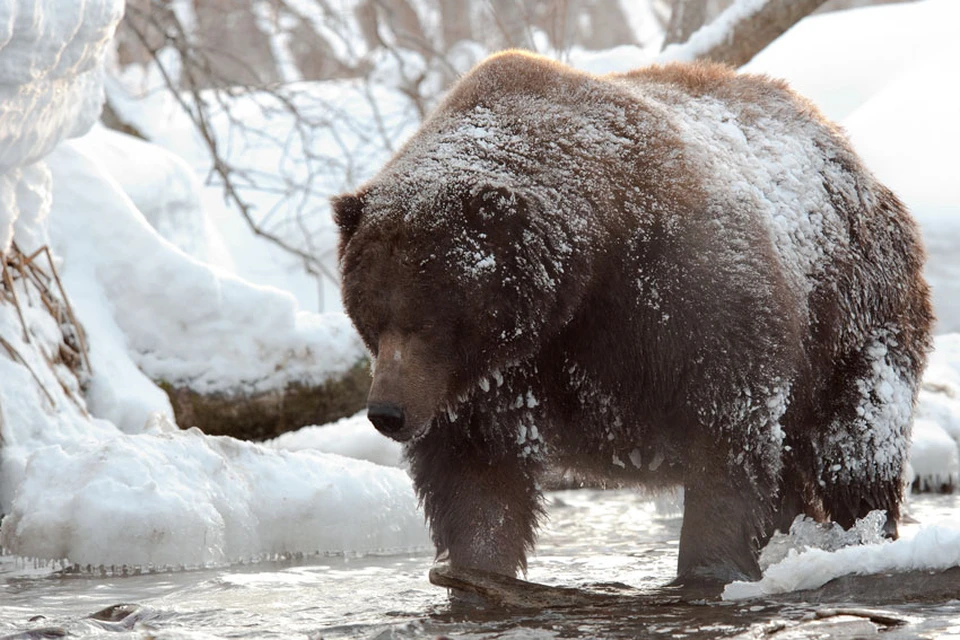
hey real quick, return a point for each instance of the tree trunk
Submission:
(266, 415)
(686, 17)
(738, 34)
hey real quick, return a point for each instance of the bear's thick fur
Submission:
(677, 275)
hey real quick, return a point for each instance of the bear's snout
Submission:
(387, 417)
(408, 386)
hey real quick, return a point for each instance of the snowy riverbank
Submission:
(89, 471)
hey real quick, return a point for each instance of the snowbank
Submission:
(50, 87)
(185, 322)
(73, 484)
(353, 437)
(935, 450)
(163, 187)
(934, 547)
(180, 498)
(863, 49)
(51, 75)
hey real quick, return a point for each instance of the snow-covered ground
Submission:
(353, 437)
(172, 498)
(813, 554)
(159, 272)
(90, 469)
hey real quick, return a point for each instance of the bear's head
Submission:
(475, 244)
(450, 284)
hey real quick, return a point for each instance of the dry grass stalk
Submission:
(16, 356)
(78, 330)
(12, 290)
(44, 282)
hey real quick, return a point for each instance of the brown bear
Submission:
(679, 275)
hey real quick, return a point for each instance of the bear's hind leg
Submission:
(728, 503)
(863, 450)
(480, 497)
(798, 494)
(720, 532)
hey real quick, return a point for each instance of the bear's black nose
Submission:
(386, 417)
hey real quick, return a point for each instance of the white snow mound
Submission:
(181, 498)
(183, 321)
(934, 547)
(353, 437)
(73, 485)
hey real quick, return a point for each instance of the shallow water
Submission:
(592, 537)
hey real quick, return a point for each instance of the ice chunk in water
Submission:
(807, 533)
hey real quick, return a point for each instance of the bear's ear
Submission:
(347, 211)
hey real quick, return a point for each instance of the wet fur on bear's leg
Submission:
(729, 501)
(862, 452)
(719, 535)
(479, 494)
(798, 494)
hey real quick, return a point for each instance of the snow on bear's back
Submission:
(758, 147)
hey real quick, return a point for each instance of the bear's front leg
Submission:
(480, 496)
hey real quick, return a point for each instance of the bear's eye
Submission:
(414, 326)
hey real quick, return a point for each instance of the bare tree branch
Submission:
(686, 17)
(737, 35)
(199, 115)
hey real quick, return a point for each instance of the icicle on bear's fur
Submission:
(677, 275)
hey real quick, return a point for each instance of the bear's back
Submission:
(759, 149)
(689, 146)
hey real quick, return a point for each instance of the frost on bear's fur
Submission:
(677, 275)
